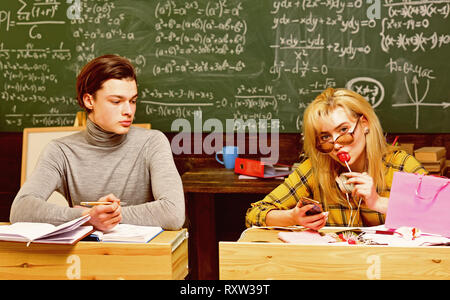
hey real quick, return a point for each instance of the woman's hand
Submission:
(299, 217)
(105, 217)
(365, 188)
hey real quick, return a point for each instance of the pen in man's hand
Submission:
(93, 203)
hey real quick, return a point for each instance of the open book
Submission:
(67, 233)
(127, 233)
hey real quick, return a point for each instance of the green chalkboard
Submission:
(259, 61)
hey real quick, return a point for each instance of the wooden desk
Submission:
(201, 187)
(259, 254)
(164, 257)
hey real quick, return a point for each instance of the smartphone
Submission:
(316, 209)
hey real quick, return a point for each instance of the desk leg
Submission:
(203, 247)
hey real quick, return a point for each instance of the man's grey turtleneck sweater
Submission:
(136, 167)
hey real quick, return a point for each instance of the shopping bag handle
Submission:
(421, 176)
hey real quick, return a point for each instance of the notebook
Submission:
(28, 232)
(127, 233)
(307, 237)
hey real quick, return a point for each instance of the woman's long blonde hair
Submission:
(325, 169)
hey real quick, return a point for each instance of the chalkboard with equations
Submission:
(260, 61)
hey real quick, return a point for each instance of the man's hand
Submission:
(105, 217)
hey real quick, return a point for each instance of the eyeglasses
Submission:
(326, 146)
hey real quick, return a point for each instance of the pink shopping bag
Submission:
(419, 201)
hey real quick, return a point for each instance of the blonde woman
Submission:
(338, 122)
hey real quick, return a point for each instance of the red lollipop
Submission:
(344, 157)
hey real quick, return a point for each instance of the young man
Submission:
(109, 161)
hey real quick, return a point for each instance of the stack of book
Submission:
(432, 158)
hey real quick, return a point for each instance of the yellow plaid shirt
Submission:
(301, 181)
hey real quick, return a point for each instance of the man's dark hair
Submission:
(99, 70)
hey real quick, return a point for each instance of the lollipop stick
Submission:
(344, 157)
(348, 166)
